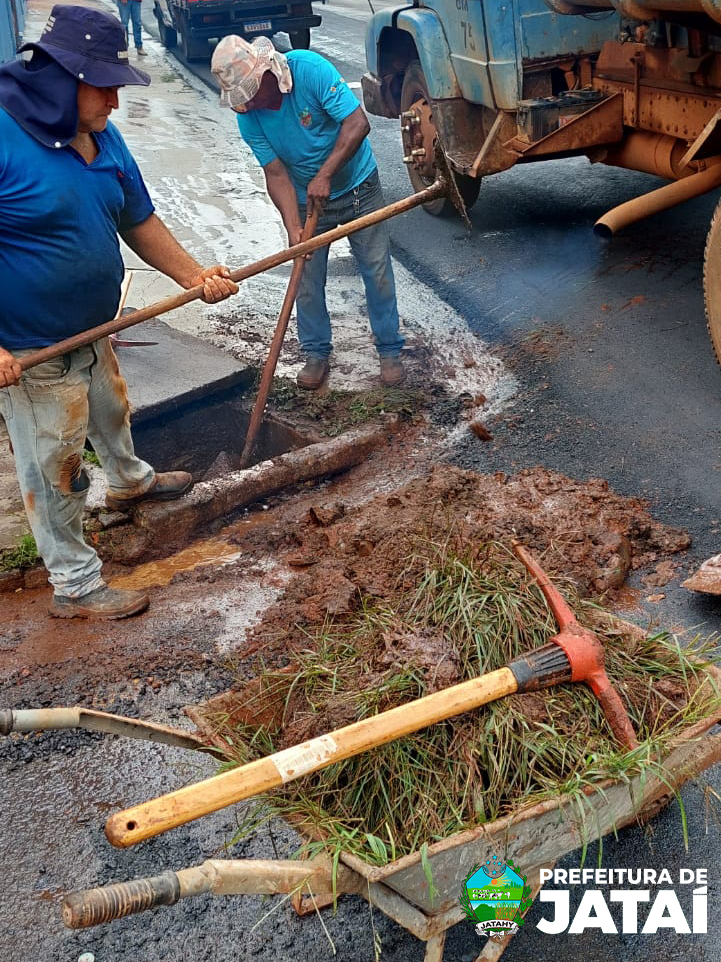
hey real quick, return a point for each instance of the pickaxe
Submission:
(575, 654)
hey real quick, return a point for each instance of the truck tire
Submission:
(194, 48)
(168, 35)
(300, 39)
(712, 282)
(413, 91)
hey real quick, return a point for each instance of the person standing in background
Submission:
(130, 10)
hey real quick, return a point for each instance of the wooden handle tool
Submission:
(574, 654)
(256, 415)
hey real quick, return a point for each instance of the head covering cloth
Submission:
(239, 67)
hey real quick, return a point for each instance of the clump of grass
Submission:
(341, 410)
(90, 457)
(468, 614)
(23, 555)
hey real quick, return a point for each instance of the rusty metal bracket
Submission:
(487, 144)
(707, 144)
(602, 124)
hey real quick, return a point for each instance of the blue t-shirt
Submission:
(304, 131)
(60, 261)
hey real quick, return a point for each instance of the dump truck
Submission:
(195, 22)
(630, 83)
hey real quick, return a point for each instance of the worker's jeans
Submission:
(131, 11)
(49, 414)
(372, 252)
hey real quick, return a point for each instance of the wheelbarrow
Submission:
(533, 838)
(421, 892)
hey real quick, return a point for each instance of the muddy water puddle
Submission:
(211, 551)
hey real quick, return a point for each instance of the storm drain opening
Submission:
(206, 436)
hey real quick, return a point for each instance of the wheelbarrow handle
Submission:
(89, 907)
(55, 719)
(81, 910)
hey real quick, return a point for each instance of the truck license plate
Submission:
(255, 26)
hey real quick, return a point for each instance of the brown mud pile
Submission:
(584, 533)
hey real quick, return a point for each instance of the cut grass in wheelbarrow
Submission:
(471, 610)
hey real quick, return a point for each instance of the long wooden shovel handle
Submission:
(177, 808)
(436, 189)
(256, 415)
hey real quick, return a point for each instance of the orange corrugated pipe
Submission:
(658, 200)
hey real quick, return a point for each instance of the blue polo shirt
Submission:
(60, 262)
(304, 131)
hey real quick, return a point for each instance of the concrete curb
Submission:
(155, 528)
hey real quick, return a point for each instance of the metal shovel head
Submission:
(445, 174)
(708, 577)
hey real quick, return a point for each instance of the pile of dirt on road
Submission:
(467, 613)
(418, 590)
(347, 556)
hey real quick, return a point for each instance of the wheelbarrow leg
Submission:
(434, 948)
(493, 950)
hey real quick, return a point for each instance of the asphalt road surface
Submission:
(619, 381)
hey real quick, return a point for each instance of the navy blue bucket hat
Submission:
(90, 45)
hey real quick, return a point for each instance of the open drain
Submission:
(206, 437)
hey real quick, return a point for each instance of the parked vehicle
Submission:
(12, 20)
(194, 22)
(631, 83)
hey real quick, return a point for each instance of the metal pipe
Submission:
(54, 719)
(218, 876)
(658, 154)
(658, 200)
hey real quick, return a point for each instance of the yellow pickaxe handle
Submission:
(177, 808)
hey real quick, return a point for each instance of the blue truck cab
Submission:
(466, 63)
(494, 83)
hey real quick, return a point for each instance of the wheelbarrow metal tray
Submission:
(533, 836)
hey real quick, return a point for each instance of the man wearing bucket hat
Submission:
(310, 136)
(68, 187)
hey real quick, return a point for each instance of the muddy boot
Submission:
(165, 487)
(103, 604)
(313, 373)
(392, 371)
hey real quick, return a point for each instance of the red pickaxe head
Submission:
(584, 657)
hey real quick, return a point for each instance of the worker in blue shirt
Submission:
(309, 134)
(68, 187)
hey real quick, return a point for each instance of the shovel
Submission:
(444, 185)
(575, 654)
(256, 415)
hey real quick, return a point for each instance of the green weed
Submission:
(24, 555)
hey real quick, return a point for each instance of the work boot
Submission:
(392, 371)
(166, 486)
(103, 604)
(313, 373)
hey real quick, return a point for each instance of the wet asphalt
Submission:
(618, 380)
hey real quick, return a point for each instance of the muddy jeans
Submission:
(49, 415)
(372, 252)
